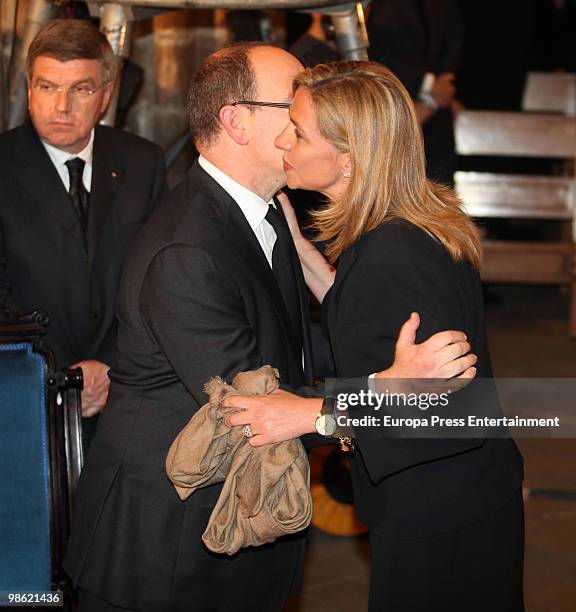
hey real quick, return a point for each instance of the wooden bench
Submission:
(550, 92)
(549, 199)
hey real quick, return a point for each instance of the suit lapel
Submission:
(107, 175)
(38, 175)
(303, 297)
(240, 237)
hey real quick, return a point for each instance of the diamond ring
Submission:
(247, 431)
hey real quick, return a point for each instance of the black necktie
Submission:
(283, 267)
(77, 192)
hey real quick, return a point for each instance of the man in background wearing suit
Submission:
(212, 287)
(421, 41)
(73, 196)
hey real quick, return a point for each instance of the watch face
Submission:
(325, 425)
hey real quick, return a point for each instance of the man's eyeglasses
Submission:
(286, 105)
(80, 92)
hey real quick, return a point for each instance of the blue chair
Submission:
(40, 456)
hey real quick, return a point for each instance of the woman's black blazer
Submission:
(415, 487)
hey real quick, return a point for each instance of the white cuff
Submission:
(425, 95)
(372, 382)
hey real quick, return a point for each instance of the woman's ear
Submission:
(345, 163)
(232, 120)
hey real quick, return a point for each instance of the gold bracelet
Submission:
(346, 444)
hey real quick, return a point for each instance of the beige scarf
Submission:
(266, 492)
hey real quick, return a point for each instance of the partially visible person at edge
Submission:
(201, 297)
(445, 515)
(74, 194)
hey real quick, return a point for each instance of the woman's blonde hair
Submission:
(363, 109)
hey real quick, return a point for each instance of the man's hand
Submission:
(444, 89)
(444, 355)
(96, 386)
(423, 112)
(275, 417)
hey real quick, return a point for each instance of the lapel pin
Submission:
(114, 174)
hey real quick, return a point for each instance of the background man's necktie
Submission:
(283, 267)
(77, 192)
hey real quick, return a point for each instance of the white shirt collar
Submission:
(252, 205)
(59, 157)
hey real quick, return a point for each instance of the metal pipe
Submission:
(116, 23)
(227, 4)
(38, 14)
(8, 17)
(350, 33)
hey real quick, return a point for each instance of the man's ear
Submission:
(232, 120)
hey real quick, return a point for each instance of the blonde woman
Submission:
(445, 515)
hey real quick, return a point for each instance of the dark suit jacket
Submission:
(198, 299)
(415, 487)
(412, 37)
(43, 263)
